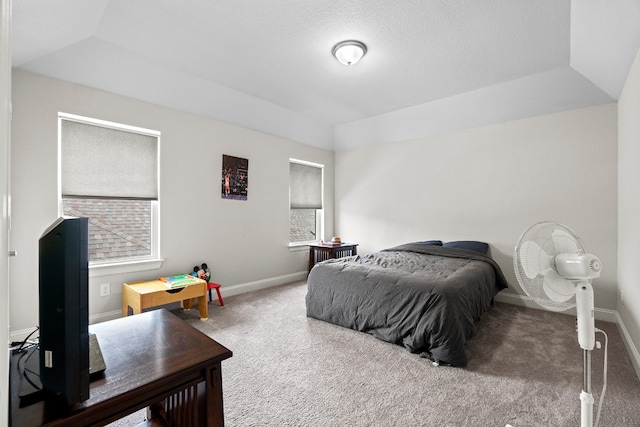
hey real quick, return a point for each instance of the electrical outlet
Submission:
(105, 289)
(621, 297)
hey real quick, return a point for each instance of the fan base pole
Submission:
(587, 409)
(586, 397)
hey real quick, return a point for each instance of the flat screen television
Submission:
(64, 310)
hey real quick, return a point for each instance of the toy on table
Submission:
(179, 281)
(202, 272)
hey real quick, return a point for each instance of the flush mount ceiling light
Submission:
(349, 52)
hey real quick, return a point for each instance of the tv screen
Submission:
(64, 310)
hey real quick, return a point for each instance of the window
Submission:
(305, 202)
(109, 174)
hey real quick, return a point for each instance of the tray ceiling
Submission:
(431, 65)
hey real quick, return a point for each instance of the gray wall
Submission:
(5, 166)
(629, 205)
(489, 183)
(245, 242)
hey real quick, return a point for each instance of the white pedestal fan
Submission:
(552, 267)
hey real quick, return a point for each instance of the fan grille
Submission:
(531, 259)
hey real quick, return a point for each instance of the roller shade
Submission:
(99, 161)
(305, 186)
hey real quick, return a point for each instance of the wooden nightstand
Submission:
(322, 252)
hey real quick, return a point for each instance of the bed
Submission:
(424, 296)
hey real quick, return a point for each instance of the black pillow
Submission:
(470, 245)
(431, 242)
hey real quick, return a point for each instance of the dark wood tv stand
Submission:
(151, 358)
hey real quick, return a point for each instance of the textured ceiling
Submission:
(267, 65)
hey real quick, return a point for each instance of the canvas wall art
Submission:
(235, 175)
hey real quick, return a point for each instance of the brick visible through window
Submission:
(117, 228)
(302, 225)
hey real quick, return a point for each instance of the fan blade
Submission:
(564, 242)
(556, 287)
(533, 259)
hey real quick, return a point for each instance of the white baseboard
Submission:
(22, 334)
(241, 288)
(600, 314)
(226, 291)
(628, 343)
(103, 317)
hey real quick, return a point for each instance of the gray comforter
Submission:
(421, 296)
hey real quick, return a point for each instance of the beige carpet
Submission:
(525, 369)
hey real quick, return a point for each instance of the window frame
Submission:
(129, 264)
(319, 212)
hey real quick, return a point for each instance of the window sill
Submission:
(293, 247)
(98, 270)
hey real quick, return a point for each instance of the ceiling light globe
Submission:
(349, 52)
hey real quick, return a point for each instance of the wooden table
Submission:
(141, 295)
(151, 358)
(322, 252)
